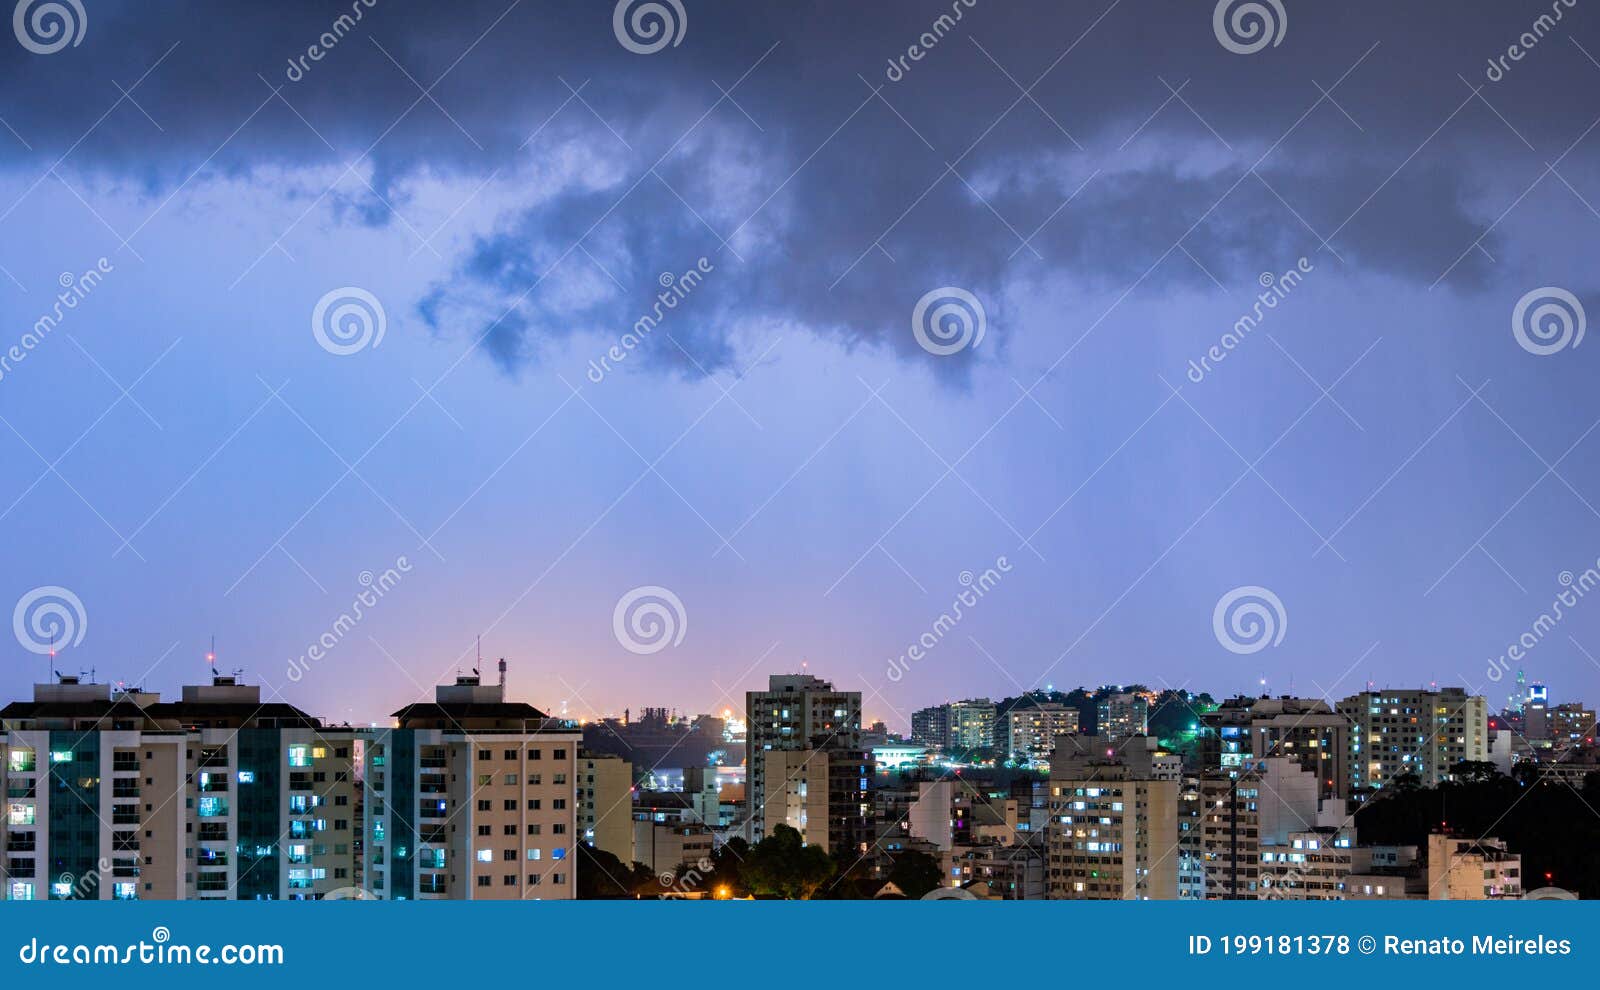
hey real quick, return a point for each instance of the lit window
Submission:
(485, 855)
(20, 814)
(299, 756)
(534, 854)
(212, 807)
(247, 776)
(61, 756)
(21, 890)
(20, 760)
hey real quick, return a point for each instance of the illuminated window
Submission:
(125, 891)
(299, 756)
(20, 814)
(21, 890)
(20, 761)
(61, 756)
(485, 855)
(247, 776)
(212, 807)
(534, 854)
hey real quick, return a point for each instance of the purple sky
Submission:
(1107, 180)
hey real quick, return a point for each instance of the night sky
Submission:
(221, 434)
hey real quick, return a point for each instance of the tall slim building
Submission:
(802, 713)
(605, 804)
(473, 797)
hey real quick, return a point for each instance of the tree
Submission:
(601, 875)
(782, 865)
(915, 873)
(1474, 771)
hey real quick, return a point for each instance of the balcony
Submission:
(121, 764)
(431, 809)
(22, 789)
(21, 842)
(213, 831)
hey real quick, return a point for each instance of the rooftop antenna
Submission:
(479, 662)
(502, 672)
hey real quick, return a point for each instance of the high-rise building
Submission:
(1121, 715)
(605, 804)
(972, 724)
(931, 726)
(1031, 732)
(218, 796)
(1422, 732)
(1112, 833)
(799, 713)
(472, 797)
(1305, 730)
(960, 726)
(1571, 726)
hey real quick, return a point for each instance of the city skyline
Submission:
(1157, 352)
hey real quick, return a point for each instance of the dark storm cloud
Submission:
(840, 209)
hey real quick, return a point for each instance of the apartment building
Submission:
(1306, 730)
(1112, 832)
(605, 804)
(806, 715)
(1121, 715)
(960, 726)
(1472, 870)
(1313, 865)
(472, 797)
(119, 796)
(1422, 732)
(1030, 732)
